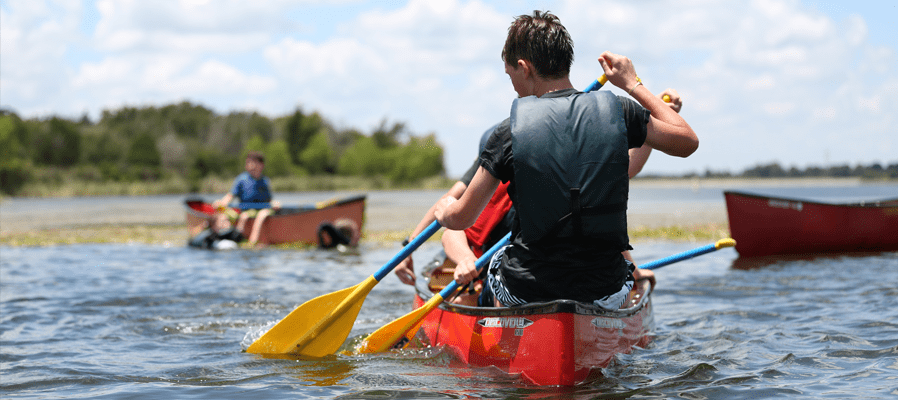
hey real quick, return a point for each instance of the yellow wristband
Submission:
(630, 92)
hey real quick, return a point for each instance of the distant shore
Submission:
(148, 220)
(757, 182)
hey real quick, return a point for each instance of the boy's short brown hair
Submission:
(541, 39)
(255, 155)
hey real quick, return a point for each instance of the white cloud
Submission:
(214, 77)
(304, 62)
(762, 80)
(781, 108)
(825, 114)
(111, 70)
(221, 27)
(870, 104)
(34, 38)
(423, 63)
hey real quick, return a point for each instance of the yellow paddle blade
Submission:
(728, 242)
(390, 334)
(318, 327)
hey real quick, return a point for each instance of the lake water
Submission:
(140, 321)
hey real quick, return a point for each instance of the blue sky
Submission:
(801, 83)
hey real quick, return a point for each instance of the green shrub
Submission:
(143, 152)
(56, 142)
(13, 175)
(211, 162)
(299, 130)
(420, 158)
(318, 156)
(102, 148)
(256, 143)
(277, 159)
(364, 158)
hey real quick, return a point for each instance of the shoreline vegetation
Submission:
(176, 234)
(187, 148)
(215, 185)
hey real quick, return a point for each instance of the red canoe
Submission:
(561, 343)
(289, 224)
(763, 225)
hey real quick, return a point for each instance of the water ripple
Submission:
(133, 321)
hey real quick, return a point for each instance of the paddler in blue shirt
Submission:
(251, 186)
(565, 154)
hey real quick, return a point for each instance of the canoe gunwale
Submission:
(549, 307)
(883, 203)
(557, 343)
(281, 211)
(299, 210)
(764, 225)
(288, 224)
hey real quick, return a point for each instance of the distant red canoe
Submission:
(289, 224)
(763, 225)
(558, 343)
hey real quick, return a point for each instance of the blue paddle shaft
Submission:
(452, 287)
(595, 85)
(485, 258)
(407, 250)
(679, 257)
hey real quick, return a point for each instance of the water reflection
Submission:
(328, 371)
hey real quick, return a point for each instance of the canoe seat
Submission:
(442, 276)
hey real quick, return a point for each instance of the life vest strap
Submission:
(576, 216)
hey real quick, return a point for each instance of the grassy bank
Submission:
(165, 235)
(176, 235)
(149, 234)
(700, 233)
(66, 184)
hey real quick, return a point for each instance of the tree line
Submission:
(774, 170)
(149, 143)
(140, 144)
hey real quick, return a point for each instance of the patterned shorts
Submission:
(496, 284)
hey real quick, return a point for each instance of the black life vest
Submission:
(570, 167)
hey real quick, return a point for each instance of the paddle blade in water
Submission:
(398, 331)
(318, 327)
